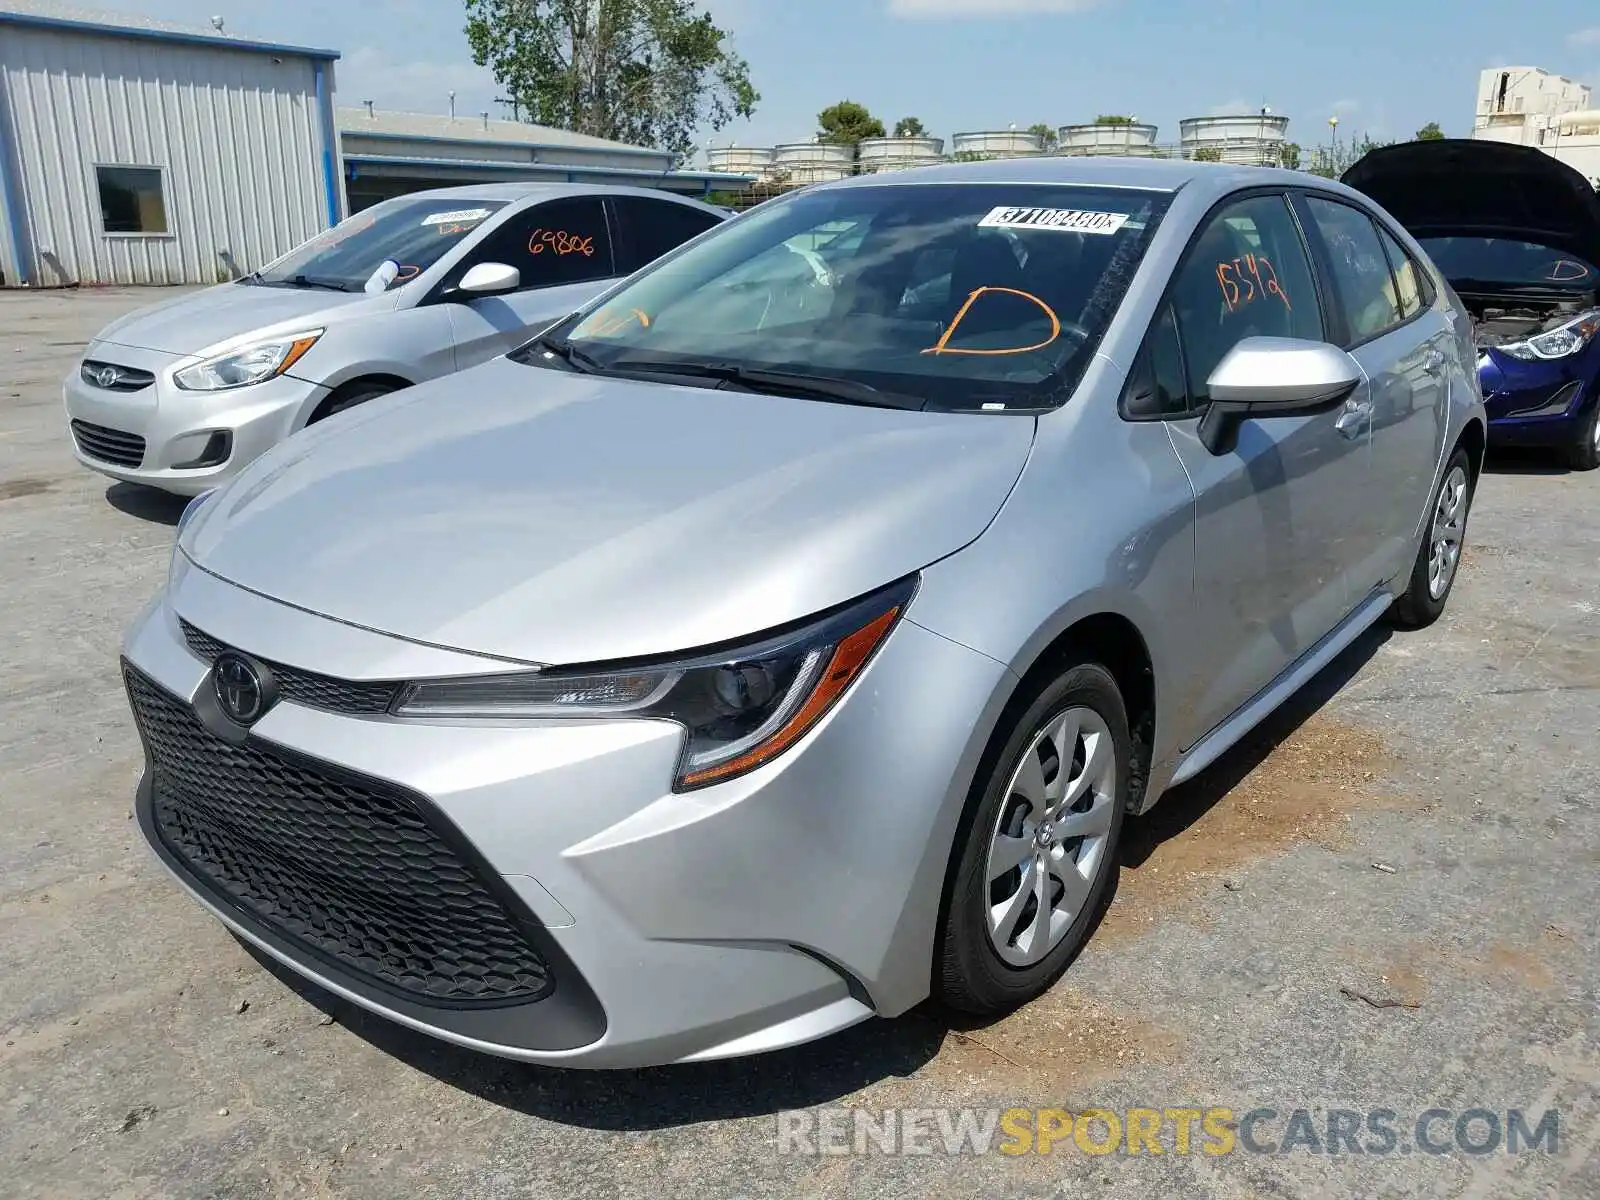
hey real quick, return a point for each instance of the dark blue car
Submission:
(1517, 234)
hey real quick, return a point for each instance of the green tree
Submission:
(846, 123)
(647, 72)
(1333, 161)
(1208, 154)
(1046, 135)
(1111, 119)
(1289, 155)
(910, 127)
(1430, 133)
(969, 156)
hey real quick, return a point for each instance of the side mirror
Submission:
(1265, 377)
(489, 279)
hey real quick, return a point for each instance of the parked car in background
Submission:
(1517, 234)
(183, 395)
(719, 669)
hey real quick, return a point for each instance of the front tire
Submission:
(1039, 851)
(1433, 574)
(1583, 454)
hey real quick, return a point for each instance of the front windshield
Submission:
(1508, 261)
(958, 295)
(410, 232)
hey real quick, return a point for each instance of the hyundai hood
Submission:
(555, 518)
(1468, 188)
(194, 322)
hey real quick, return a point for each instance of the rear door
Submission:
(647, 228)
(1278, 518)
(565, 250)
(1386, 320)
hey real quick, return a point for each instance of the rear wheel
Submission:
(1039, 851)
(1434, 572)
(1583, 454)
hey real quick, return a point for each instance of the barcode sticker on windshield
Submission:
(1065, 220)
(455, 218)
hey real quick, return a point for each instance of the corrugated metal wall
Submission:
(237, 134)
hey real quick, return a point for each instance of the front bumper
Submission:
(1538, 403)
(757, 914)
(144, 436)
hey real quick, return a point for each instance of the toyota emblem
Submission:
(240, 688)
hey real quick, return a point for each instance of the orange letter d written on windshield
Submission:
(942, 346)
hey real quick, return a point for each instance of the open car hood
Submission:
(1458, 187)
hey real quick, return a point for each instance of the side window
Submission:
(657, 226)
(1246, 275)
(559, 242)
(1407, 276)
(1361, 276)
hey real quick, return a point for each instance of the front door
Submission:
(564, 251)
(1277, 519)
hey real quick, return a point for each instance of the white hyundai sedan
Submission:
(183, 395)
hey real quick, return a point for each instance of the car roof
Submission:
(1156, 174)
(513, 192)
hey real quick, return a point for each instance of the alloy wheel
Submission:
(1449, 528)
(1048, 846)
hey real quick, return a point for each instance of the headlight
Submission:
(741, 707)
(240, 368)
(1557, 343)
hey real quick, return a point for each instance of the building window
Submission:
(131, 200)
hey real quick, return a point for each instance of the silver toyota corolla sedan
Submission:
(785, 637)
(185, 394)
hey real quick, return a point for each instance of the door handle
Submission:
(1353, 420)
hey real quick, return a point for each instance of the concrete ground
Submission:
(1387, 901)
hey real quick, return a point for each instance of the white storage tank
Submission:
(898, 153)
(740, 160)
(1254, 139)
(998, 143)
(805, 163)
(1127, 138)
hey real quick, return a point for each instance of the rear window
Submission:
(1505, 260)
(963, 294)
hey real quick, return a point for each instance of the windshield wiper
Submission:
(564, 350)
(311, 281)
(781, 383)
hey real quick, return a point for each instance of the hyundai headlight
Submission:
(1556, 343)
(253, 364)
(741, 708)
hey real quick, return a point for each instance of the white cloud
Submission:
(421, 85)
(936, 10)
(1585, 37)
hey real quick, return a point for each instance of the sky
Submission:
(1383, 67)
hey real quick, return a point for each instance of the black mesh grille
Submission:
(108, 445)
(345, 696)
(350, 870)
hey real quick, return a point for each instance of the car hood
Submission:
(1455, 187)
(546, 517)
(196, 321)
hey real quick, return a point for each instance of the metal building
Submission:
(390, 153)
(135, 151)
